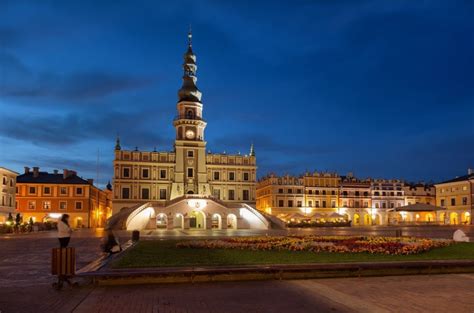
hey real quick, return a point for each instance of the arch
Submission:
(197, 219)
(190, 192)
(231, 221)
(178, 221)
(161, 220)
(189, 114)
(453, 218)
(216, 221)
(367, 219)
(376, 219)
(466, 218)
(356, 219)
(429, 217)
(442, 218)
(78, 222)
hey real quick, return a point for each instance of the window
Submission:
(464, 188)
(32, 190)
(125, 193)
(190, 172)
(190, 153)
(366, 204)
(231, 176)
(217, 193)
(333, 192)
(376, 193)
(47, 205)
(162, 194)
(333, 204)
(310, 192)
(290, 191)
(62, 205)
(145, 173)
(47, 190)
(324, 192)
(366, 193)
(310, 203)
(280, 190)
(464, 201)
(163, 174)
(78, 205)
(280, 203)
(324, 204)
(399, 193)
(245, 195)
(392, 205)
(290, 203)
(63, 191)
(246, 176)
(317, 203)
(216, 175)
(316, 192)
(79, 191)
(357, 193)
(453, 201)
(145, 193)
(31, 205)
(231, 194)
(4, 180)
(298, 191)
(344, 193)
(126, 172)
(442, 202)
(384, 205)
(299, 204)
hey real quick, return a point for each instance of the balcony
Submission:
(187, 117)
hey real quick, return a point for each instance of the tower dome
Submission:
(189, 91)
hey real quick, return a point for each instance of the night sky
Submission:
(378, 88)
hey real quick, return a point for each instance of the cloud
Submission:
(73, 128)
(21, 81)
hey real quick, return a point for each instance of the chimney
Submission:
(90, 181)
(55, 172)
(27, 170)
(65, 173)
(35, 171)
(470, 171)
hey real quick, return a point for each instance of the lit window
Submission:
(31, 205)
(46, 205)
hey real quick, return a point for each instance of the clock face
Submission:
(189, 134)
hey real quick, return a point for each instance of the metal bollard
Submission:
(135, 235)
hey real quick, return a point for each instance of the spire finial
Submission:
(252, 150)
(117, 143)
(190, 36)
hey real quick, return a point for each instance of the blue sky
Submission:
(378, 88)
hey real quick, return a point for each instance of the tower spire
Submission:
(117, 143)
(252, 150)
(189, 91)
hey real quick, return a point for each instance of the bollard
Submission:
(135, 235)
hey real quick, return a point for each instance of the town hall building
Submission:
(188, 187)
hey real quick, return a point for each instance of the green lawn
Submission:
(163, 253)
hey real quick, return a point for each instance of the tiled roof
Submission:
(460, 178)
(48, 178)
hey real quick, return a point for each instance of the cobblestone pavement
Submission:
(438, 293)
(25, 285)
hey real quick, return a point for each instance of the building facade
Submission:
(189, 174)
(7, 193)
(355, 200)
(457, 196)
(44, 196)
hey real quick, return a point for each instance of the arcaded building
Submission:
(188, 187)
(7, 193)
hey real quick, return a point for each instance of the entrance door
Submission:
(192, 222)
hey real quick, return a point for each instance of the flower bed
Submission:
(337, 244)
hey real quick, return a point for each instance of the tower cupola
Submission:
(189, 91)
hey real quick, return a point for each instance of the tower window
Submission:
(190, 153)
(125, 193)
(189, 114)
(190, 172)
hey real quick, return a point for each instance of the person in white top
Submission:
(64, 231)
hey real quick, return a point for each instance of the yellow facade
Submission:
(457, 197)
(7, 193)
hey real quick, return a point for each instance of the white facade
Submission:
(7, 193)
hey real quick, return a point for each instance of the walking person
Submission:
(64, 231)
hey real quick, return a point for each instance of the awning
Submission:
(318, 215)
(336, 215)
(419, 207)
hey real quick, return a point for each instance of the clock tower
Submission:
(190, 147)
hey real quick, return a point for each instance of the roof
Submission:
(458, 179)
(7, 170)
(49, 178)
(419, 207)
